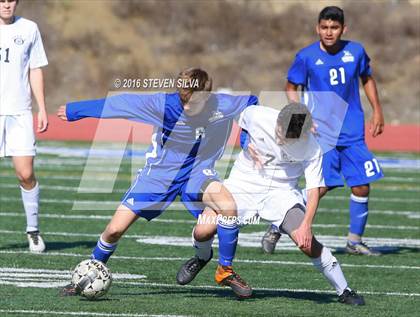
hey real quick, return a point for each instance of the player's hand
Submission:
(61, 113)
(377, 123)
(303, 236)
(253, 152)
(42, 121)
(314, 129)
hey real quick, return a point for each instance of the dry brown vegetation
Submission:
(245, 45)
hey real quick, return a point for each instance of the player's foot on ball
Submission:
(190, 269)
(69, 290)
(270, 239)
(350, 297)
(36, 243)
(360, 248)
(226, 276)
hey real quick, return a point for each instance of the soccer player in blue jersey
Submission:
(191, 129)
(335, 65)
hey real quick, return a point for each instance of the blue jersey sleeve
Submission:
(364, 66)
(240, 103)
(147, 108)
(298, 73)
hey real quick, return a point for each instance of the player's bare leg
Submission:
(30, 197)
(202, 239)
(272, 236)
(358, 219)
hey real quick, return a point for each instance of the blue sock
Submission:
(103, 250)
(227, 233)
(358, 214)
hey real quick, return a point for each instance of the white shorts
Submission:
(17, 136)
(255, 195)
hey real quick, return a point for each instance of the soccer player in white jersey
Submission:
(21, 57)
(289, 150)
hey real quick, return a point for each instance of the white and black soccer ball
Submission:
(92, 279)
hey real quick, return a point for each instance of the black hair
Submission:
(332, 13)
(294, 119)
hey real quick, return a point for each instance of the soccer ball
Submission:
(92, 279)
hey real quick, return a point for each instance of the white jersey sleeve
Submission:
(244, 118)
(37, 56)
(313, 172)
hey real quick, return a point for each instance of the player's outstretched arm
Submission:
(377, 121)
(148, 108)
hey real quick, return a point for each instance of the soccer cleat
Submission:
(270, 239)
(190, 269)
(225, 276)
(360, 248)
(36, 243)
(69, 290)
(350, 297)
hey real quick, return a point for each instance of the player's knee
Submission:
(204, 232)
(323, 191)
(25, 176)
(113, 233)
(360, 191)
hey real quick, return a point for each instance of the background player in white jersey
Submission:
(289, 151)
(336, 66)
(21, 57)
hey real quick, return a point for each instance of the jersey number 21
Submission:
(337, 76)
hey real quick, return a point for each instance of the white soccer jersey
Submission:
(283, 163)
(21, 49)
(272, 191)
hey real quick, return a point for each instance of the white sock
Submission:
(202, 248)
(30, 199)
(328, 265)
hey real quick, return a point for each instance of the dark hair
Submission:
(202, 82)
(332, 13)
(294, 119)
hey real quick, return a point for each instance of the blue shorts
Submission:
(355, 163)
(152, 192)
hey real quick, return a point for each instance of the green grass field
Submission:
(285, 283)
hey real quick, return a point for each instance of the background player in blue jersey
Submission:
(191, 129)
(335, 65)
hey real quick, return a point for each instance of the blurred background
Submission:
(245, 45)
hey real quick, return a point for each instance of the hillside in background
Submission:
(245, 45)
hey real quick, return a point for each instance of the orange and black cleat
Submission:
(226, 276)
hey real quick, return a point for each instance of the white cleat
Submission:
(36, 243)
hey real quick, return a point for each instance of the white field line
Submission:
(76, 189)
(111, 176)
(98, 202)
(54, 274)
(101, 217)
(252, 240)
(89, 205)
(79, 313)
(293, 290)
(210, 287)
(177, 259)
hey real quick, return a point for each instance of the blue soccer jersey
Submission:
(184, 148)
(318, 71)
